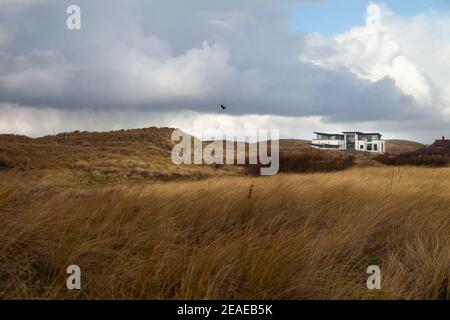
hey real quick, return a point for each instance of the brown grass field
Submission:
(213, 233)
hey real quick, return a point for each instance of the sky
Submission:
(331, 17)
(296, 65)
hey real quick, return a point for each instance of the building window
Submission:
(369, 147)
(362, 147)
(351, 138)
(375, 147)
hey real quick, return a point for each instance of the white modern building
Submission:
(352, 140)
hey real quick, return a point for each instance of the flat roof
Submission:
(341, 134)
(372, 133)
(329, 134)
(359, 132)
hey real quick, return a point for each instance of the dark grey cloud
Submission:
(180, 55)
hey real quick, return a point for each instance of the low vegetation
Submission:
(308, 236)
(435, 155)
(414, 160)
(141, 228)
(141, 154)
(309, 161)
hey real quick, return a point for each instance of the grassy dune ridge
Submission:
(291, 236)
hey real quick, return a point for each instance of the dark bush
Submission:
(414, 160)
(6, 163)
(314, 161)
(310, 161)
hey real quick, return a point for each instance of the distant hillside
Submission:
(401, 146)
(439, 147)
(294, 145)
(135, 153)
(145, 154)
(72, 148)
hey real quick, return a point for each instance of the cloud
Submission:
(3, 37)
(411, 52)
(220, 23)
(16, 4)
(35, 122)
(41, 74)
(159, 58)
(198, 73)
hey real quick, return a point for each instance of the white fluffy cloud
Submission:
(199, 72)
(142, 63)
(181, 57)
(412, 52)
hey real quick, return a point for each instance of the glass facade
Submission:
(350, 144)
(328, 137)
(372, 137)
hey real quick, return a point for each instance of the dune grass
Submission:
(291, 236)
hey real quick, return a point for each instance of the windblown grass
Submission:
(296, 236)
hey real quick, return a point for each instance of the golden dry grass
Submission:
(97, 158)
(292, 236)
